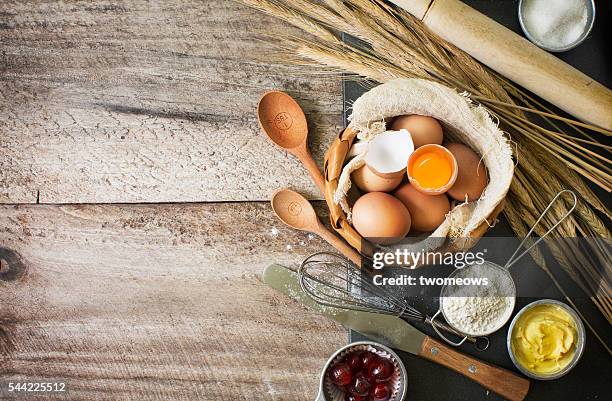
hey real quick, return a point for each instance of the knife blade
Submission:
(386, 329)
(398, 334)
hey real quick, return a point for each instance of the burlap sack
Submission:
(462, 121)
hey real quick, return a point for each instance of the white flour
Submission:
(485, 310)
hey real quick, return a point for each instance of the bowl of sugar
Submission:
(556, 25)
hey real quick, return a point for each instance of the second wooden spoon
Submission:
(295, 211)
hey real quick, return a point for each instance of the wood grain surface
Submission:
(140, 101)
(157, 302)
(106, 104)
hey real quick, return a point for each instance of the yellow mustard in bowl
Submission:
(544, 339)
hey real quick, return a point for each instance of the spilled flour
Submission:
(274, 232)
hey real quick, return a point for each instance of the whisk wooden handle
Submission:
(498, 380)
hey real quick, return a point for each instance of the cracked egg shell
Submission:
(368, 181)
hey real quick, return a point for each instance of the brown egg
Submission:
(424, 129)
(368, 181)
(426, 211)
(472, 176)
(381, 217)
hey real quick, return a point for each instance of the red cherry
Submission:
(367, 360)
(353, 397)
(355, 361)
(361, 385)
(340, 374)
(381, 371)
(380, 392)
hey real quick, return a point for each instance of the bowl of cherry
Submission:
(363, 371)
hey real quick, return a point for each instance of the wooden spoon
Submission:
(284, 122)
(295, 211)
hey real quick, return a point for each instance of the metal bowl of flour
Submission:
(495, 273)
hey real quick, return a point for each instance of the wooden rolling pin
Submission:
(515, 58)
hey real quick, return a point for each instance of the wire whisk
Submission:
(331, 280)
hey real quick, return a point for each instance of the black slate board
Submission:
(590, 379)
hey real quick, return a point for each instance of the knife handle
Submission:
(498, 380)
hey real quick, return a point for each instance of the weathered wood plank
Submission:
(136, 101)
(157, 302)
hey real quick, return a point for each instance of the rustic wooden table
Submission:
(135, 222)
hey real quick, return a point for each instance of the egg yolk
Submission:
(432, 170)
